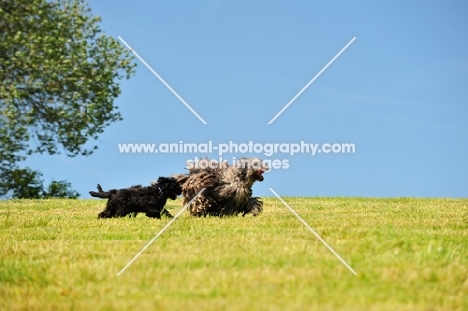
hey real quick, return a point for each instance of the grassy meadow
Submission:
(409, 254)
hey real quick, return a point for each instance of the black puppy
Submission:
(139, 199)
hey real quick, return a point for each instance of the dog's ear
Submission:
(162, 179)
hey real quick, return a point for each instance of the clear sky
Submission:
(399, 92)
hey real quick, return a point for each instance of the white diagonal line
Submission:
(310, 82)
(313, 231)
(160, 232)
(162, 80)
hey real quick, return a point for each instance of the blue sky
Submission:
(399, 93)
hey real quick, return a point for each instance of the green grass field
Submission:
(409, 254)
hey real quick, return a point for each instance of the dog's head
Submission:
(169, 186)
(253, 168)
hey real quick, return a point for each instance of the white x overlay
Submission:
(310, 82)
(313, 231)
(160, 232)
(162, 80)
(271, 121)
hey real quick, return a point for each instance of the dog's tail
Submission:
(101, 194)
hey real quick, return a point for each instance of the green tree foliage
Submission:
(60, 189)
(58, 79)
(27, 183)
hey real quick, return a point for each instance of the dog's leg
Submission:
(122, 211)
(104, 214)
(133, 215)
(112, 209)
(254, 206)
(166, 213)
(154, 214)
(107, 212)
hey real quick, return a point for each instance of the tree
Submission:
(58, 79)
(25, 183)
(60, 189)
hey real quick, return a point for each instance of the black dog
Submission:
(139, 199)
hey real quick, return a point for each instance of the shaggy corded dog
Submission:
(139, 199)
(228, 189)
